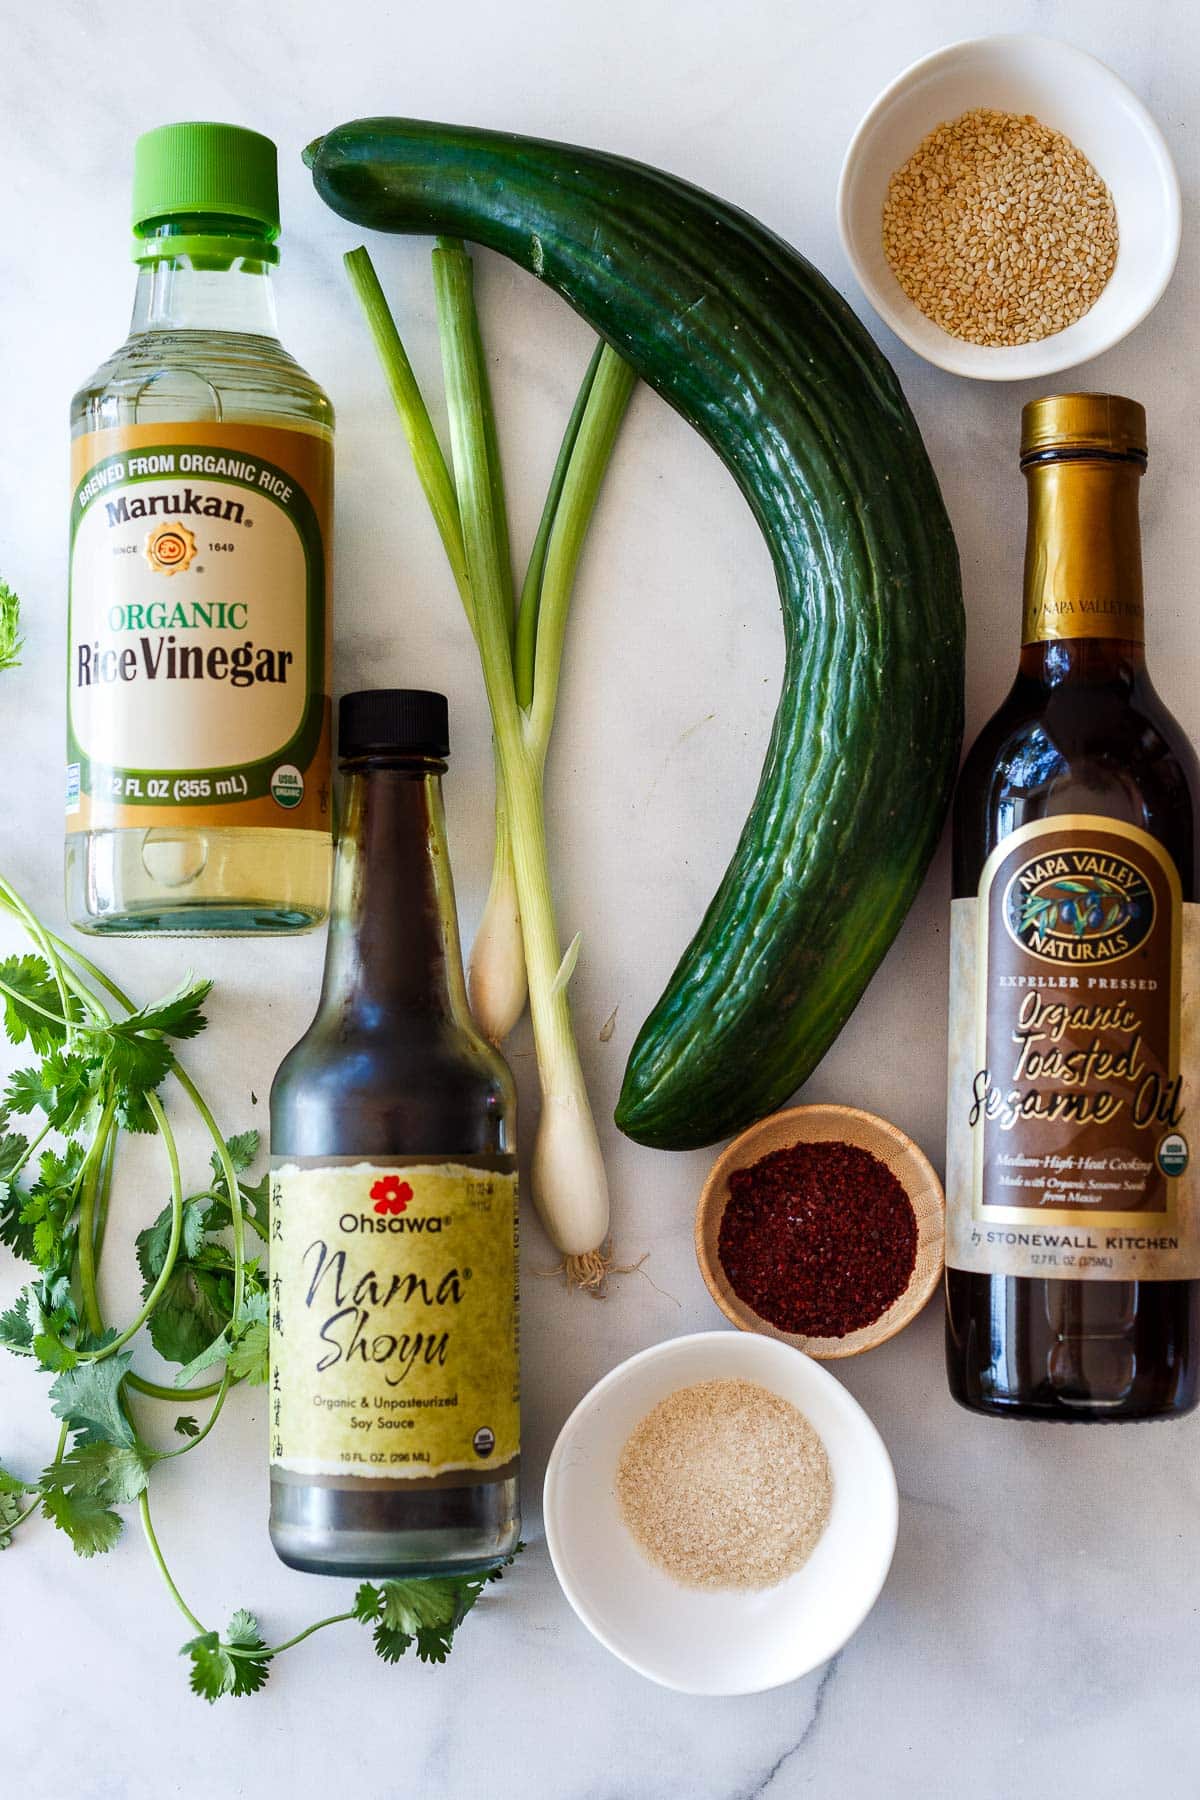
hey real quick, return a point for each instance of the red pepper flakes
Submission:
(818, 1239)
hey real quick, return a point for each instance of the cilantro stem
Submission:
(44, 940)
(157, 1390)
(73, 961)
(27, 1514)
(64, 1433)
(105, 1193)
(290, 1643)
(222, 1392)
(155, 1294)
(156, 1553)
(236, 1215)
(29, 1150)
(87, 1219)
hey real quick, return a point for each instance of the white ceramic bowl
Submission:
(735, 1641)
(1073, 93)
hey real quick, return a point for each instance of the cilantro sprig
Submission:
(11, 642)
(97, 1065)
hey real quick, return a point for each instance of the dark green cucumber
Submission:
(744, 338)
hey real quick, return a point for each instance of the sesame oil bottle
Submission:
(1073, 1210)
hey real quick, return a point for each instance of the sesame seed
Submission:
(999, 229)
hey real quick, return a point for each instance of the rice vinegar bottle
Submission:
(1072, 1200)
(198, 686)
(394, 1397)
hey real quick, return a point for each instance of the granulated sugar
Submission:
(725, 1485)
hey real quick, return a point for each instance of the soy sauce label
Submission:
(394, 1324)
(1073, 1060)
(197, 674)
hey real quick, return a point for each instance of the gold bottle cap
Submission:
(1084, 422)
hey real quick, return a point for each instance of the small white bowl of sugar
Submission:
(1009, 207)
(721, 1513)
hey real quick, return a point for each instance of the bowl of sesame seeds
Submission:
(1010, 208)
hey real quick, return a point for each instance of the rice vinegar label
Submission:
(394, 1321)
(1074, 1057)
(198, 657)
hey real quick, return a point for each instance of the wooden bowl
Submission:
(820, 1125)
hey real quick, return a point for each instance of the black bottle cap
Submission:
(393, 721)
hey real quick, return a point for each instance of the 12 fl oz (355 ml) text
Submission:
(180, 787)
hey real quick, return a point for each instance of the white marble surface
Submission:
(1040, 1629)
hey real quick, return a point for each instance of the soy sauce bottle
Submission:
(1072, 1233)
(394, 1418)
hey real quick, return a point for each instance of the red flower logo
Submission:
(390, 1194)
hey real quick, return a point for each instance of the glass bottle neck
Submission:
(1083, 558)
(209, 293)
(393, 936)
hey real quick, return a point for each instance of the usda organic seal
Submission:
(1173, 1154)
(287, 785)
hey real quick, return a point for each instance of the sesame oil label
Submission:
(1073, 1060)
(197, 647)
(394, 1322)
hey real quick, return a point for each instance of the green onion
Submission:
(521, 675)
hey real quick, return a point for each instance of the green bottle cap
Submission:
(194, 169)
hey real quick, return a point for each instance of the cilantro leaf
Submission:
(68, 1088)
(425, 1612)
(243, 1346)
(368, 1603)
(249, 1359)
(16, 1326)
(217, 1671)
(214, 1352)
(390, 1643)
(30, 988)
(11, 641)
(255, 1206)
(176, 1015)
(12, 1150)
(88, 1399)
(135, 1049)
(58, 1171)
(52, 1353)
(151, 1244)
(12, 1504)
(256, 1202)
(139, 1064)
(242, 1633)
(87, 1521)
(11, 1509)
(114, 1473)
(255, 1195)
(192, 1312)
(242, 1148)
(186, 1426)
(212, 1666)
(27, 1092)
(133, 1114)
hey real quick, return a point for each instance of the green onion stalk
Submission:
(520, 651)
